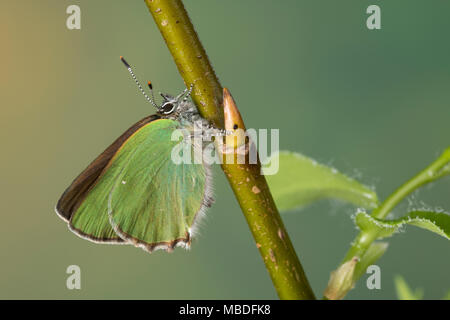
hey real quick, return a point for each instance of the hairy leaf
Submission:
(301, 181)
(437, 222)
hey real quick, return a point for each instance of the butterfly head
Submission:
(171, 105)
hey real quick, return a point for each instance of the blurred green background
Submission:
(374, 104)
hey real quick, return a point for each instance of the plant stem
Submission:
(429, 174)
(189, 56)
(248, 184)
(436, 170)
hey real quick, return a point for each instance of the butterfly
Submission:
(133, 192)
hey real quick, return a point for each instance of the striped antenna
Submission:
(189, 91)
(150, 86)
(138, 84)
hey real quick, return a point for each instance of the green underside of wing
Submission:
(150, 198)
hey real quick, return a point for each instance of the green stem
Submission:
(429, 174)
(189, 56)
(436, 170)
(249, 186)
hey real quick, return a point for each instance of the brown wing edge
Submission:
(74, 195)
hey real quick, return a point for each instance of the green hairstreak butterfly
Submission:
(133, 193)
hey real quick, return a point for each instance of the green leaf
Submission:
(373, 253)
(437, 222)
(404, 292)
(301, 181)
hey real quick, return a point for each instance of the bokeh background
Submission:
(374, 104)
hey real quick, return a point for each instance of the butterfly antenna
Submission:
(138, 84)
(150, 86)
(189, 92)
(184, 92)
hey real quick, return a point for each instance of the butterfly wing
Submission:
(147, 198)
(80, 187)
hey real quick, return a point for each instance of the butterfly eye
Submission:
(167, 108)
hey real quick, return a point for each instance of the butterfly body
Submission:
(134, 193)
